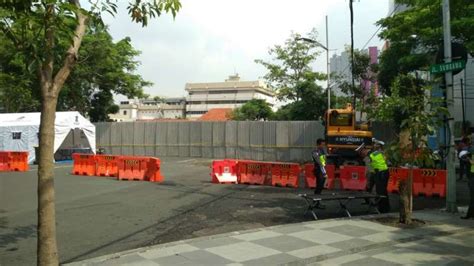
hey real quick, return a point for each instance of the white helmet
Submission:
(463, 153)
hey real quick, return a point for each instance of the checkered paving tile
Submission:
(333, 242)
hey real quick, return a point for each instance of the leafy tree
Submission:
(290, 74)
(415, 36)
(417, 116)
(255, 109)
(291, 65)
(54, 21)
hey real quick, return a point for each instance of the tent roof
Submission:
(25, 119)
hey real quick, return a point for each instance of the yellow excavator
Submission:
(344, 135)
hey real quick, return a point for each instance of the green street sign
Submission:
(446, 67)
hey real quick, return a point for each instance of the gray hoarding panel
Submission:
(231, 139)
(161, 139)
(102, 131)
(127, 137)
(256, 140)
(150, 134)
(243, 140)
(139, 138)
(269, 141)
(116, 138)
(282, 141)
(218, 139)
(195, 139)
(206, 139)
(183, 139)
(296, 140)
(172, 138)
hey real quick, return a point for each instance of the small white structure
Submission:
(19, 132)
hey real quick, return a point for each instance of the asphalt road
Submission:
(98, 216)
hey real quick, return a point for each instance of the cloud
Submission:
(210, 38)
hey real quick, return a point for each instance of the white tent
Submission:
(19, 131)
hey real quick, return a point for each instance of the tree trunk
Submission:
(47, 251)
(406, 199)
(47, 247)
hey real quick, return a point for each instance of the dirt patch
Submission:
(394, 222)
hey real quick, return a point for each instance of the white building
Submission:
(149, 109)
(232, 93)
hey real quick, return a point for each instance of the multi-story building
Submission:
(149, 109)
(232, 93)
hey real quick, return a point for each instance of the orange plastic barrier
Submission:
(107, 165)
(285, 174)
(254, 173)
(353, 177)
(153, 173)
(224, 172)
(132, 167)
(4, 161)
(310, 179)
(84, 164)
(429, 182)
(19, 161)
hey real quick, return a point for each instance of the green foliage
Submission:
(254, 110)
(417, 117)
(415, 36)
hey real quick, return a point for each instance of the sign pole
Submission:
(451, 182)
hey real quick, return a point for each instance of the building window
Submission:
(16, 135)
(124, 112)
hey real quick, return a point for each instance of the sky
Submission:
(212, 39)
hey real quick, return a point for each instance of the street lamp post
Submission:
(327, 59)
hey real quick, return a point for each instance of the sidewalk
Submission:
(445, 239)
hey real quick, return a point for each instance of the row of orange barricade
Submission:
(121, 167)
(426, 182)
(14, 161)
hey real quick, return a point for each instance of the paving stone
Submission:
(351, 230)
(209, 243)
(243, 251)
(458, 262)
(133, 259)
(341, 260)
(173, 260)
(370, 262)
(257, 235)
(352, 244)
(324, 224)
(313, 251)
(288, 229)
(284, 243)
(387, 236)
(409, 256)
(376, 226)
(203, 257)
(321, 236)
(277, 259)
(167, 251)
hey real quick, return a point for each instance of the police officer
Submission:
(319, 160)
(379, 174)
(466, 157)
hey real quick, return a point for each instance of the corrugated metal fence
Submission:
(253, 140)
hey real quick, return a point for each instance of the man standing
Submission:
(379, 175)
(464, 164)
(466, 157)
(319, 160)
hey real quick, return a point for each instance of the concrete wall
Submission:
(253, 140)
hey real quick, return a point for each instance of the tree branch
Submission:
(72, 52)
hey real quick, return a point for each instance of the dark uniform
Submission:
(319, 160)
(470, 165)
(379, 178)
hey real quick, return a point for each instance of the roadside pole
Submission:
(451, 177)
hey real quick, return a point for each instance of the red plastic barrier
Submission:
(224, 172)
(254, 173)
(429, 182)
(153, 173)
(285, 174)
(19, 161)
(84, 164)
(353, 177)
(310, 179)
(107, 165)
(132, 167)
(4, 161)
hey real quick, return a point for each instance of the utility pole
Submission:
(327, 65)
(463, 111)
(451, 182)
(351, 9)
